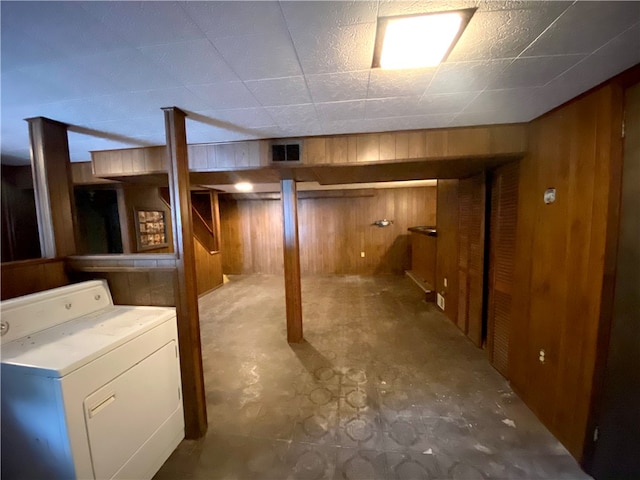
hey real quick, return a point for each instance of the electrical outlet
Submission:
(362, 254)
(440, 301)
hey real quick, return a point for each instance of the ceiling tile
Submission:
(192, 62)
(503, 33)
(399, 83)
(333, 87)
(20, 50)
(515, 101)
(389, 8)
(466, 76)
(585, 26)
(232, 18)
(128, 69)
(67, 27)
(280, 91)
(320, 14)
(492, 117)
(248, 117)
(415, 121)
(224, 95)
(293, 114)
(446, 102)
(621, 53)
(393, 107)
(334, 48)
(259, 56)
(351, 110)
(533, 71)
(144, 23)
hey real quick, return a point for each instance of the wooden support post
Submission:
(53, 187)
(195, 406)
(291, 250)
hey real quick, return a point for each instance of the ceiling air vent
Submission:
(285, 152)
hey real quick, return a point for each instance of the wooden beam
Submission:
(53, 187)
(291, 250)
(195, 406)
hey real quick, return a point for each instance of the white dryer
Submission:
(89, 389)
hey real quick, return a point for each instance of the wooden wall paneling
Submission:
(503, 224)
(314, 150)
(469, 141)
(387, 146)
(368, 147)
(197, 157)
(291, 251)
(402, 145)
(417, 144)
(475, 270)
(464, 222)
(337, 149)
(436, 143)
(123, 215)
(447, 246)
(618, 417)
(333, 230)
(138, 160)
(154, 159)
(241, 154)
(146, 197)
(127, 160)
(53, 186)
(186, 288)
(561, 252)
(82, 174)
(31, 276)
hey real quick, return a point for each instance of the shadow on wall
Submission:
(397, 258)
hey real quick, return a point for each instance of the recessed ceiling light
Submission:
(417, 41)
(244, 187)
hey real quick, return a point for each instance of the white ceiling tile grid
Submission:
(291, 68)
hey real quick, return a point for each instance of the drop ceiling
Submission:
(247, 70)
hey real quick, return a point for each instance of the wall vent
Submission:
(286, 152)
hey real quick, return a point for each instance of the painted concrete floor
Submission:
(384, 387)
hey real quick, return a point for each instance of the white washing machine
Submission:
(89, 389)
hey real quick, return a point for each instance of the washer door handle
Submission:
(93, 411)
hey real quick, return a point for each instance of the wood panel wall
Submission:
(483, 141)
(564, 260)
(139, 279)
(503, 226)
(208, 269)
(146, 197)
(447, 247)
(415, 144)
(333, 232)
(31, 276)
(20, 238)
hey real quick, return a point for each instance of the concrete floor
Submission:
(384, 387)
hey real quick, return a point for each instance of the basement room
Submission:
(320, 240)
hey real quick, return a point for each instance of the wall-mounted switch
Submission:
(445, 282)
(362, 254)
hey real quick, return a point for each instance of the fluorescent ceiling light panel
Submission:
(244, 187)
(418, 41)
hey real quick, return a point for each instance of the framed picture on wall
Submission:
(151, 229)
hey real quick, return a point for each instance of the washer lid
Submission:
(60, 350)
